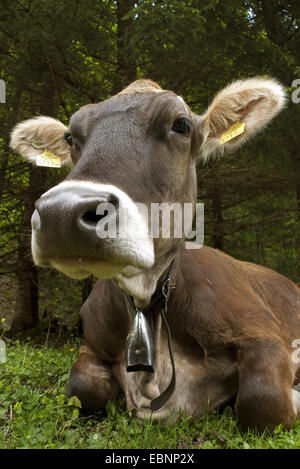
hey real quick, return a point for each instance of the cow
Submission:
(210, 328)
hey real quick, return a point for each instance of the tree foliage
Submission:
(59, 55)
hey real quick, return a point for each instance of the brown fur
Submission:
(233, 323)
(248, 101)
(141, 86)
(44, 130)
(232, 326)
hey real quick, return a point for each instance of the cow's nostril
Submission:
(97, 209)
(90, 217)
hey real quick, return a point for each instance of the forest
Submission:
(58, 55)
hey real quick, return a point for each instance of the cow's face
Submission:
(129, 152)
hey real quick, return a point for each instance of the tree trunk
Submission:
(10, 122)
(4, 165)
(26, 313)
(295, 153)
(126, 68)
(218, 235)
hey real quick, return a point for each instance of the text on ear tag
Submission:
(49, 159)
(233, 131)
(37, 145)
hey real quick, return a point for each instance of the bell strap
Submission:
(159, 401)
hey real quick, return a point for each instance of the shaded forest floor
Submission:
(35, 412)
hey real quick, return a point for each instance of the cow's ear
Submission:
(239, 111)
(31, 137)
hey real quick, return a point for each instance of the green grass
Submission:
(35, 413)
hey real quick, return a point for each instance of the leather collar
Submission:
(139, 343)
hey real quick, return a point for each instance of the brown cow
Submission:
(209, 327)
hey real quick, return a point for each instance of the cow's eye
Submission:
(68, 138)
(182, 126)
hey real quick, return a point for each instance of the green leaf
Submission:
(75, 402)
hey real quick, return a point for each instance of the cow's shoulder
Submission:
(105, 319)
(240, 297)
(213, 265)
(209, 265)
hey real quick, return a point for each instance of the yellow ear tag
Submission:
(49, 159)
(233, 131)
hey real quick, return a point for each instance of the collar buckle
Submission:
(167, 286)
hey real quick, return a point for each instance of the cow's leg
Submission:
(92, 381)
(296, 400)
(266, 397)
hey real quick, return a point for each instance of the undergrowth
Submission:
(35, 413)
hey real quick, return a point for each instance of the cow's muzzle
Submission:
(76, 229)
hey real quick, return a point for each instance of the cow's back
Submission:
(241, 295)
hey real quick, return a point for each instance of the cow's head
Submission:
(140, 146)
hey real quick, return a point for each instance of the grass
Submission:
(35, 413)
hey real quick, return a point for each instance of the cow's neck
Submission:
(140, 347)
(142, 287)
